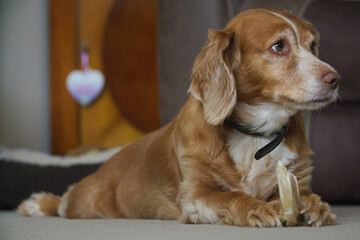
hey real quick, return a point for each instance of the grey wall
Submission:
(182, 31)
(24, 100)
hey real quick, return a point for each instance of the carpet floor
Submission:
(15, 227)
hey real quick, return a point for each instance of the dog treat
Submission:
(290, 204)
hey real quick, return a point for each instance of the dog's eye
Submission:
(278, 47)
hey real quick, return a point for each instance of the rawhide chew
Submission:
(290, 204)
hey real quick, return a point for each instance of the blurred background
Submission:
(145, 49)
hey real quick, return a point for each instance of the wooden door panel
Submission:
(130, 61)
(102, 123)
(63, 59)
(128, 107)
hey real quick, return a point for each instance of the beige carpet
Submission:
(14, 227)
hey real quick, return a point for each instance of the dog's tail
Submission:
(40, 204)
(45, 204)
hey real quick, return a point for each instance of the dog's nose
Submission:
(331, 79)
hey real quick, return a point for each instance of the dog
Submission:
(249, 85)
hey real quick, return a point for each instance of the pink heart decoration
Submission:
(85, 86)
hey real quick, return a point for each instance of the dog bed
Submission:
(23, 172)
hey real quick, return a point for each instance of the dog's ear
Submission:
(213, 79)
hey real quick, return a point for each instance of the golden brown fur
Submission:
(198, 169)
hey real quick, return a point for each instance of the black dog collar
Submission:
(280, 134)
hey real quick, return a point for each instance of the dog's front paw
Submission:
(316, 212)
(266, 215)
